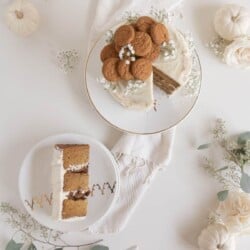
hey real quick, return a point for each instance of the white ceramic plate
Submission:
(35, 182)
(170, 110)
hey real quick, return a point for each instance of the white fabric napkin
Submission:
(138, 156)
(110, 12)
(152, 148)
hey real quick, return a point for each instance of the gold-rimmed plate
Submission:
(168, 111)
(35, 182)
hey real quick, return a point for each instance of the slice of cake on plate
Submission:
(70, 181)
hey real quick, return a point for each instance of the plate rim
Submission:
(124, 130)
(108, 152)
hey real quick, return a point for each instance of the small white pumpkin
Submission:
(22, 17)
(216, 237)
(232, 21)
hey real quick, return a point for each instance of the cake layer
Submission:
(74, 208)
(74, 155)
(74, 181)
(164, 82)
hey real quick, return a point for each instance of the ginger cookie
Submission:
(124, 35)
(159, 33)
(109, 69)
(142, 43)
(144, 23)
(118, 48)
(108, 51)
(154, 53)
(134, 26)
(124, 70)
(141, 69)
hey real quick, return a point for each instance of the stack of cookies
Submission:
(135, 46)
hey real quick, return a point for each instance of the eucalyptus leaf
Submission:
(245, 182)
(12, 245)
(99, 247)
(204, 146)
(243, 138)
(222, 195)
(222, 169)
(32, 247)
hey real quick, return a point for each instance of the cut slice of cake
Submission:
(70, 181)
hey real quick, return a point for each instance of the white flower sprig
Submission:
(133, 86)
(67, 60)
(107, 85)
(161, 15)
(168, 50)
(192, 85)
(236, 157)
(127, 52)
(130, 16)
(218, 46)
(109, 36)
(29, 230)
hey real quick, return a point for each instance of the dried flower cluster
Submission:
(232, 216)
(29, 230)
(235, 156)
(67, 60)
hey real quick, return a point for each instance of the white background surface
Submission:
(38, 100)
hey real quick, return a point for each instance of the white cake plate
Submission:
(35, 182)
(168, 112)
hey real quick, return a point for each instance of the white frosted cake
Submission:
(143, 54)
(141, 99)
(70, 181)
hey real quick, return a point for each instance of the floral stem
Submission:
(56, 245)
(233, 156)
(49, 236)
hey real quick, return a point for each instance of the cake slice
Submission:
(70, 181)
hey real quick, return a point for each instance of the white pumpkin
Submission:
(216, 237)
(232, 21)
(22, 17)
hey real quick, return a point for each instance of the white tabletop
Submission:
(38, 100)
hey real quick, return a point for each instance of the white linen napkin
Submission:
(110, 12)
(138, 156)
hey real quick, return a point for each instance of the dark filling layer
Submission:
(78, 195)
(83, 170)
